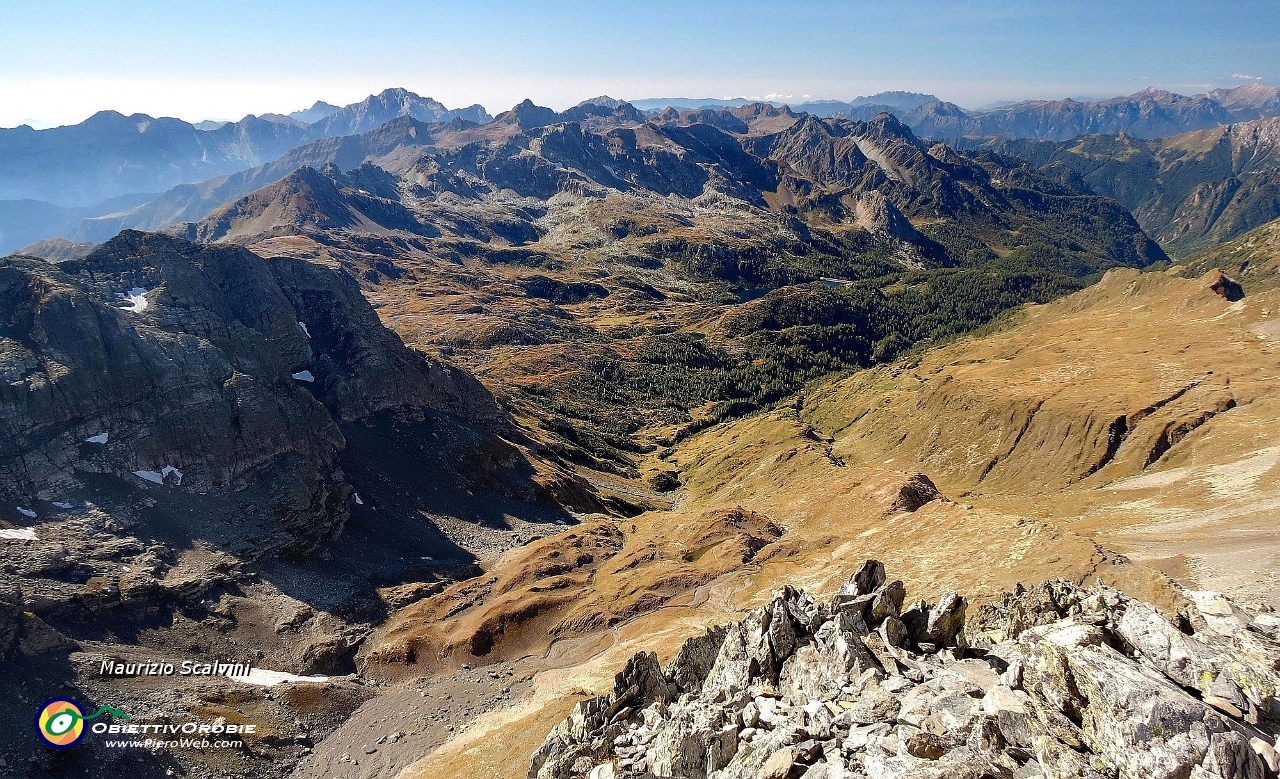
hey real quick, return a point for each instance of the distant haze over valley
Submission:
(902, 100)
(85, 182)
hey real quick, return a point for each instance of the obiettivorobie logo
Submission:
(60, 721)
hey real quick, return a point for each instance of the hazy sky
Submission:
(62, 60)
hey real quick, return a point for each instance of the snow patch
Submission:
(264, 678)
(159, 476)
(304, 376)
(303, 327)
(18, 534)
(358, 501)
(137, 298)
(63, 506)
(100, 438)
(28, 513)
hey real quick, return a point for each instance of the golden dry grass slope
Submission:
(1141, 413)
(1125, 433)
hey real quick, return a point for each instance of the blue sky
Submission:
(61, 60)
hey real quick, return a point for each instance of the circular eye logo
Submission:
(60, 723)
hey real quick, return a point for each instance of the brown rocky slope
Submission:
(830, 470)
(194, 466)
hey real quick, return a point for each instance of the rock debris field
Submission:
(1056, 681)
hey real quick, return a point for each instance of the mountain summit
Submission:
(109, 154)
(389, 104)
(319, 110)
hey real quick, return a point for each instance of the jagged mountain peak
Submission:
(57, 249)
(408, 126)
(808, 126)
(273, 118)
(387, 105)
(1188, 191)
(898, 99)
(1250, 100)
(886, 126)
(527, 115)
(761, 110)
(106, 115)
(878, 214)
(754, 118)
(605, 101)
(365, 198)
(318, 110)
(400, 95)
(233, 372)
(940, 108)
(1163, 98)
(133, 123)
(603, 110)
(307, 198)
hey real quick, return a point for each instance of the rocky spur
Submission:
(1059, 681)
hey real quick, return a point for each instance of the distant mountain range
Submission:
(86, 182)
(189, 202)
(109, 154)
(1189, 191)
(1151, 113)
(454, 180)
(892, 101)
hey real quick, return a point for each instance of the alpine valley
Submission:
(609, 442)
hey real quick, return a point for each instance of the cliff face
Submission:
(206, 368)
(207, 455)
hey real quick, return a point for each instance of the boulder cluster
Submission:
(1055, 681)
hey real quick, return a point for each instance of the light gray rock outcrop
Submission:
(1057, 681)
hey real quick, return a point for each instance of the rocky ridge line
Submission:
(1057, 681)
(224, 368)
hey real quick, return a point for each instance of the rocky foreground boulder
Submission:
(1057, 681)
